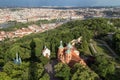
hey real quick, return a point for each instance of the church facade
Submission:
(46, 52)
(69, 55)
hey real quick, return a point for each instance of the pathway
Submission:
(91, 44)
(107, 46)
(49, 68)
(103, 43)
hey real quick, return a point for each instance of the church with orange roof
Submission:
(69, 55)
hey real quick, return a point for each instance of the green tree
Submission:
(83, 73)
(44, 60)
(1, 62)
(62, 71)
(116, 41)
(17, 72)
(8, 67)
(45, 77)
(103, 66)
(84, 45)
(4, 76)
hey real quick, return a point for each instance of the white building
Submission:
(46, 52)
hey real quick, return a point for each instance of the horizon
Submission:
(59, 3)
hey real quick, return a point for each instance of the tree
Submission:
(83, 73)
(103, 66)
(8, 67)
(35, 70)
(44, 60)
(84, 45)
(1, 62)
(114, 76)
(116, 41)
(17, 72)
(62, 71)
(45, 77)
(4, 76)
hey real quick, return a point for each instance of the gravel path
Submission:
(49, 68)
(107, 46)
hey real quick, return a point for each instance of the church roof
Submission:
(69, 45)
(46, 51)
(17, 60)
(61, 46)
(67, 51)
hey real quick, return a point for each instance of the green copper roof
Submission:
(61, 46)
(17, 60)
(69, 45)
(68, 51)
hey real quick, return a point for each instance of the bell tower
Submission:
(60, 52)
(68, 53)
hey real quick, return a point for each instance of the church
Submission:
(46, 52)
(17, 60)
(69, 55)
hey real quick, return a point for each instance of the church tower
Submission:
(68, 53)
(60, 53)
(17, 60)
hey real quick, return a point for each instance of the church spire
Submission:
(17, 57)
(68, 51)
(69, 46)
(61, 46)
(17, 60)
(45, 47)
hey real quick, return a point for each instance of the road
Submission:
(49, 68)
(103, 43)
(107, 46)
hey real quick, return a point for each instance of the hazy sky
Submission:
(59, 3)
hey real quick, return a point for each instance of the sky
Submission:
(78, 3)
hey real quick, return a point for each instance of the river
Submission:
(7, 24)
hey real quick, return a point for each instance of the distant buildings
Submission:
(26, 31)
(69, 55)
(35, 14)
